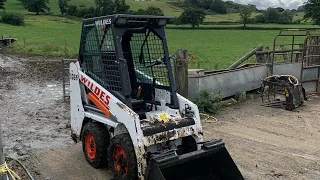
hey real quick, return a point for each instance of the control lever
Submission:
(157, 62)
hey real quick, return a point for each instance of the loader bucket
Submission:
(209, 163)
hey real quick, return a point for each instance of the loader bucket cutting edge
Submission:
(206, 164)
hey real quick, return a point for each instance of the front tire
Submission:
(122, 158)
(95, 142)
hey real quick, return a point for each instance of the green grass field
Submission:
(233, 26)
(217, 49)
(213, 49)
(47, 35)
(232, 17)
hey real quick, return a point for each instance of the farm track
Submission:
(269, 143)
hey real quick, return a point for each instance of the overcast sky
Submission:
(263, 4)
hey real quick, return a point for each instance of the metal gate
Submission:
(288, 45)
(310, 73)
(299, 49)
(65, 76)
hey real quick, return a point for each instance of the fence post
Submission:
(63, 80)
(285, 56)
(181, 78)
(260, 58)
(268, 55)
(299, 55)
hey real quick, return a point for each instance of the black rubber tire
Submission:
(101, 139)
(123, 140)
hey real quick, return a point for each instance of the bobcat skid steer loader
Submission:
(125, 109)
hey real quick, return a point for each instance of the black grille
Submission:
(124, 52)
(99, 57)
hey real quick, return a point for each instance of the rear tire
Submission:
(95, 142)
(122, 158)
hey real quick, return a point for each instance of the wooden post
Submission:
(285, 55)
(181, 76)
(268, 60)
(246, 57)
(299, 55)
(264, 58)
(258, 58)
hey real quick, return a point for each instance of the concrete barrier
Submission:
(248, 78)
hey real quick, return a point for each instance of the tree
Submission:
(245, 15)
(82, 11)
(280, 9)
(140, 12)
(91, 12)
(191, 3)
(192, 16)
(150, 11)
(219, 6)
(72, 10)
(312, 11)
(253, 7)
(154, 11)
(205, 4)
(105, 7)
(12, 18)
(260, 18)
(272, 15)
(63, 5)
(2, 4)
(286, 17)
(121, 6)
(301, 8)
(36, 6)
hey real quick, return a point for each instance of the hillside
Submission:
(15, 6)
(169, 10)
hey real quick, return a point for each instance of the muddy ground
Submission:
(266, 143)
(34, 116)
